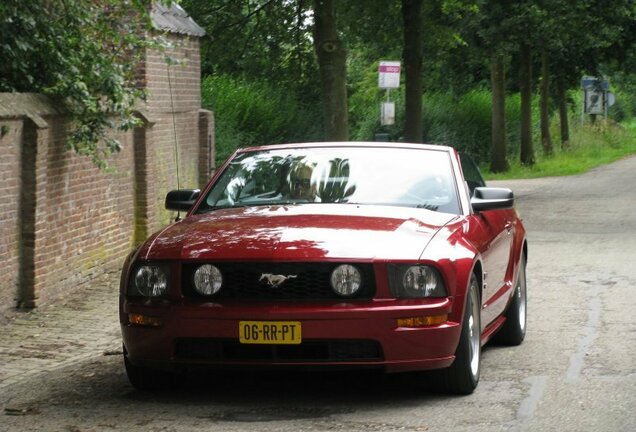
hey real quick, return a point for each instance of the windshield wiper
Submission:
(211, 209)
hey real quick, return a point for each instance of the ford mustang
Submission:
(391, 256)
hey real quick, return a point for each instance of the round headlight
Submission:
(346, 280)
(151, 281)
(207, 280)
(423, 281)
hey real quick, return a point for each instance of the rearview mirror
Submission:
(182, 199)
(491, 198)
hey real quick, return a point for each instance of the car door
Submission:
(493, 234)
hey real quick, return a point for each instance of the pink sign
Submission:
(390, 69)
(389, 74)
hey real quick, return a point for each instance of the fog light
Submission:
(143, 320)
(422, 321)
(346, 280)
(208, 280)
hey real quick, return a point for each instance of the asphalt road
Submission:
(576, 370)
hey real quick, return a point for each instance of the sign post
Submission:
(596, 96)
(387, 113)
(388, 78)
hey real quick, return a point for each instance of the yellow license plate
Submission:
(270, 332)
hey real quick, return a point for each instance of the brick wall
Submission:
(10, 150)
(84, 216)
(174, 103)
(62, 220)
(183, 90)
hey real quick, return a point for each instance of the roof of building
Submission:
(174, 19)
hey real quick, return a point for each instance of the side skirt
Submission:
(490, 331)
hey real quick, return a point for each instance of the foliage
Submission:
(249, 113)
(258, 39)
(465, 122)
(263, 76)
(253, 113)
(591, 146)
(462, 121)
(272, 51)
(81, 52)
(623, 85)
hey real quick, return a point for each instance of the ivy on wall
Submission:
(82, 53)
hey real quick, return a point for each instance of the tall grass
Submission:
(249, 113)
(463, 122)
(591, 145)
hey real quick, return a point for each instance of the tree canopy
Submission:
(81, 52)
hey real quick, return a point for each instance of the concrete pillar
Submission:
(26, 296)
(206, 146)
(144, 179)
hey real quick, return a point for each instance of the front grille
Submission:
(312, 281)
(307, 351)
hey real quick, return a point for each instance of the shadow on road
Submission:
(96, 392)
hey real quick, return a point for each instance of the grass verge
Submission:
(590, 146)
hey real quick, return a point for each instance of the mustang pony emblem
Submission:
(275, 280)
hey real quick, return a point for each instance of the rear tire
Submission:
(514, 329)
(462, 376)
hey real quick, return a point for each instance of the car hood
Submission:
(301, 232)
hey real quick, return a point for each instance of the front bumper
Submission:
(207, 334)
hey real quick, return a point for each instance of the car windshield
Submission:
(355, 175)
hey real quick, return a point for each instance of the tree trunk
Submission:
(546, 139)
(412, 54)
(331, 62)
(525, 85)
(563, 116)
(299, 47)
(498, 162)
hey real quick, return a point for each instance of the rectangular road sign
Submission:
(389, 74)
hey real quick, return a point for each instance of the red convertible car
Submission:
(329, 255)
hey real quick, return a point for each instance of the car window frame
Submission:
(471, 172)
(450, 153)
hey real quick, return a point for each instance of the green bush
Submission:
(249, 113)
(463, 122)
(624, 107)
(591, 145)
(256, 113)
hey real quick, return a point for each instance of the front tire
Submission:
(462, 376)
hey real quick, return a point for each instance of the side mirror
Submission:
(182, 199)
(492, 198)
